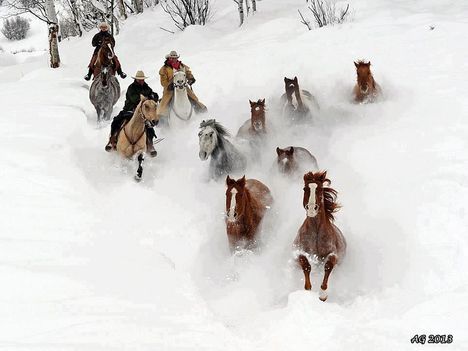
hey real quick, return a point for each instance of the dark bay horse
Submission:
(295, 160)
(318, 236)
(366, 88)
(246, 203)
(225, 157)
(297, 103)
(255, 127)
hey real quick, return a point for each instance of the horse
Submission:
(297, 103)
(366, 88)
(225, 157)
(180, 107)
(104, 93)
(294, 160)
(246, 204)
(318, 236)
(255, 127)
(131, 140)
(105, 58)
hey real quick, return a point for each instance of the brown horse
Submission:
(293, 159)
(246, 203)
(105, 58)
(366, 88)
(318, 236)
(297, 102)
(132, 137)
(255, 127)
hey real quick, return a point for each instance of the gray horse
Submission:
(225, 158)
(104, 93)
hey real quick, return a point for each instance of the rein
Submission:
(142, 115)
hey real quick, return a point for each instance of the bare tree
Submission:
(249, 4)
(325, 13)
(187, 12)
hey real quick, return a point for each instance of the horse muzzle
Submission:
(203, 155)
(311, 212)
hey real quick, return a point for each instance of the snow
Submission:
(91, 260)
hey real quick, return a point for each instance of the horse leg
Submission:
(329, 264)
(305, 265)
(139, 172)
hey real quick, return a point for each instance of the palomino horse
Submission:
(104, 93)
(132, 138)
(180, 107)
(225, 158)
(318, 236)
(246, 203)
(294, 160)
(366, 88)
(255, 127)
(298, 103)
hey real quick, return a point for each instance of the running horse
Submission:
(246, 204)
(318, 236)
(255, 127)
(297, 103)
(366, 88)
(105, 89)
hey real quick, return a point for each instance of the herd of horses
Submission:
(248, 200)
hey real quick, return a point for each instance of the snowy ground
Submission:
(90, 260)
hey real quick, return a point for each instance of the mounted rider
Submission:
(132, 99)
(166, 74)
(97, 41)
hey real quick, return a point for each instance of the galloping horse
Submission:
(132, 138)
(225, 158)
(293, 160)
(105, 89)
(366, 88)
(298, 103)
(318, 236)
(180, 107)
(255, 127)
(246, 203)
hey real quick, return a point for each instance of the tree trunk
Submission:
(53, 33)
(122, 11)
(240, 4)
(254, 5)
(138, 5)
(247, 7)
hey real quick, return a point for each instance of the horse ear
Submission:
(262, 101)
(291, 150)
(278, 151)
(229, 180)
(323, 176)
(142, 97)
(356, 64)
(295, 79)
(251, 103)
(241, 182)
(368, 63)
(285, 79)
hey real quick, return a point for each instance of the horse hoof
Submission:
(323, 295)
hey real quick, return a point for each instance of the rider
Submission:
(166, 74)
(132, 99)
(97, 42)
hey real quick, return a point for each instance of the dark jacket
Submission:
(132, 99)
(99, 37)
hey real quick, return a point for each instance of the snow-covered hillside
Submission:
(91, 260)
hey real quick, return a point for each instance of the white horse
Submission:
(180, 107)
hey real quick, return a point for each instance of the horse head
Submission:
(148, 108)
(285, 160)
(257, 119)
(291, 86)
(235, 198)
(318, 197)
(180, 79)
(208, 137)
(364, 75)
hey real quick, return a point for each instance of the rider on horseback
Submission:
(166, 74)
(132, 99)
(97, 41)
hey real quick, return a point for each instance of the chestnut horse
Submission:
(246, 203)
(105, 58)
(298, 103)
(131, 140)
(293, 160)
(366, 88)
(255, 127)
(318, 236)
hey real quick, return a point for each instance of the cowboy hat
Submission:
(172, 54)
(140, 75)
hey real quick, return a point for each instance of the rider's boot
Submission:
(112, 143)
(121, 73)
(88, 76)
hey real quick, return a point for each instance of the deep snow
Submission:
(90, 260)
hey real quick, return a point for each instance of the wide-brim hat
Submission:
(103, 25)
(172, 54)
(140, 75)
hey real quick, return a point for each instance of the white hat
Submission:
(140, 75)
(172, 54)
(103, 25)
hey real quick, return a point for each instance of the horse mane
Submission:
(329, 194)
(220, 130)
